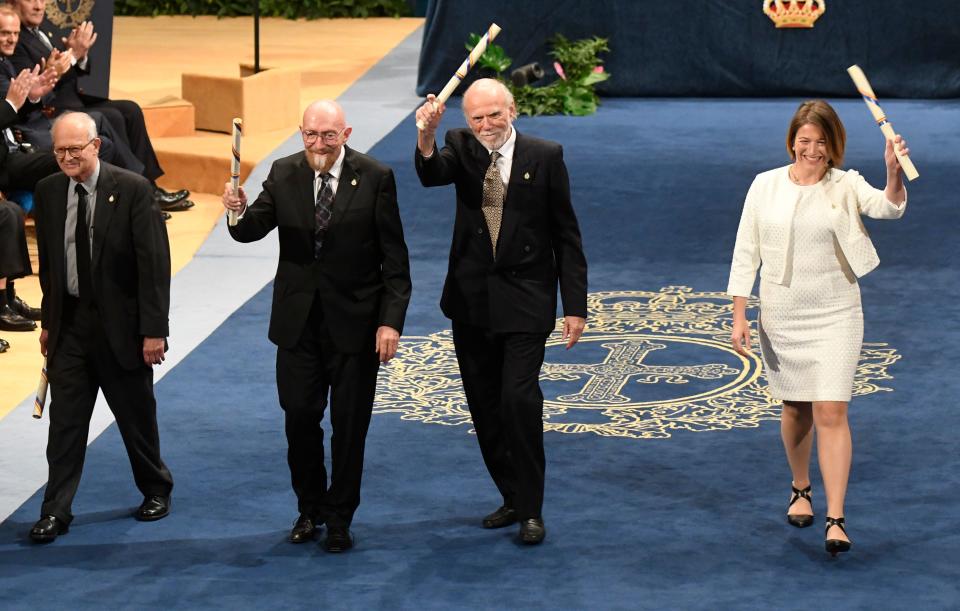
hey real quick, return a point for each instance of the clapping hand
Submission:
(80, 40)
(20, 86)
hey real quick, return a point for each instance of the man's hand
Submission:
(573, 329)
(80, 40)
(44, 84)
(153, 350)
(388, 339)
(59, 61)
(429, 116)
(236, 202)
(43, 341)
(20, 86)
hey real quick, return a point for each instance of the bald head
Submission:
(324, 132)
(489, 109)
(76, 145)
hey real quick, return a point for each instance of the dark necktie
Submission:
(493, 199)
(43, 38)
(322, 213)
(82, 244)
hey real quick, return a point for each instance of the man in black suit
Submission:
(36, 47)
(16, 171)
(105, 276)
(515, 235)
(339, 301)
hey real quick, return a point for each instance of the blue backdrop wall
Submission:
(716, 47)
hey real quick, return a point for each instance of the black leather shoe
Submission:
(304, 529)
(47, 529)
(169, 197)
(21, 308)
(505, 516)
(166, 216)
(153, 508)
(11, 321)
(532, 531)
(178, 206)
(4, 344)
(338, 539)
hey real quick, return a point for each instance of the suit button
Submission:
(513, 273)
(479, 230)
(526, 248)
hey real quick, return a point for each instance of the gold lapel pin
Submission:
(526, 175)
(354, 182)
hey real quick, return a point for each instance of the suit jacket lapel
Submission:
(108, 198)
(307, 200)
(519, 173)
(346, 187)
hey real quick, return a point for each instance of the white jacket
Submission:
(766, 225)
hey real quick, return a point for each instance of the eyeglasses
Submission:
(331, 137)
(74, 151)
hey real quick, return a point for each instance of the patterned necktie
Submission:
(82, 244)
(493, 199)
(322, 213)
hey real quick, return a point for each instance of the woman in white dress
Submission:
(801, 227)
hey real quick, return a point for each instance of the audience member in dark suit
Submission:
(339, 301)
(105, 276)
(14, 263)
(35, 46)
(34, 126)
(515, 235)
(17, 171)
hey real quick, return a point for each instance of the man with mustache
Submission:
(339, 301)
(515, 236)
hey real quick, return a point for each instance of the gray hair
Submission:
(83, 117)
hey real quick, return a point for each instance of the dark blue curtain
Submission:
(716, 47)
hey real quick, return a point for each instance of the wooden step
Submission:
(201, 162)
(169, 117)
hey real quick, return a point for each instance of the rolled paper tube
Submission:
(464, 68)
(235, 166)
(863, 86)
(41, 399)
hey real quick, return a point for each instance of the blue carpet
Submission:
(677, 509)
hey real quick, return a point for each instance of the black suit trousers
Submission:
(83, 363)
(126, 119)
(22, 171)
(14, 256)
(306, 375)
(501, 378)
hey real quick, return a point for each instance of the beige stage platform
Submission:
(149, 58)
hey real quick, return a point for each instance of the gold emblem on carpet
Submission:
(649, 364)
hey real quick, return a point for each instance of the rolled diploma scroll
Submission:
(41, 399)
(863, 85)
(464, 68)
(235, 167)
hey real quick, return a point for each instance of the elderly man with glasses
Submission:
(339, 302)
(105, 276)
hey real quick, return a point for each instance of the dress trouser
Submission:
(14, 257)
(82, 364)
(306, 375)
(501, 378)
(126, 118)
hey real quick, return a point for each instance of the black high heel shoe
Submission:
(799, 520)
(836, 546)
